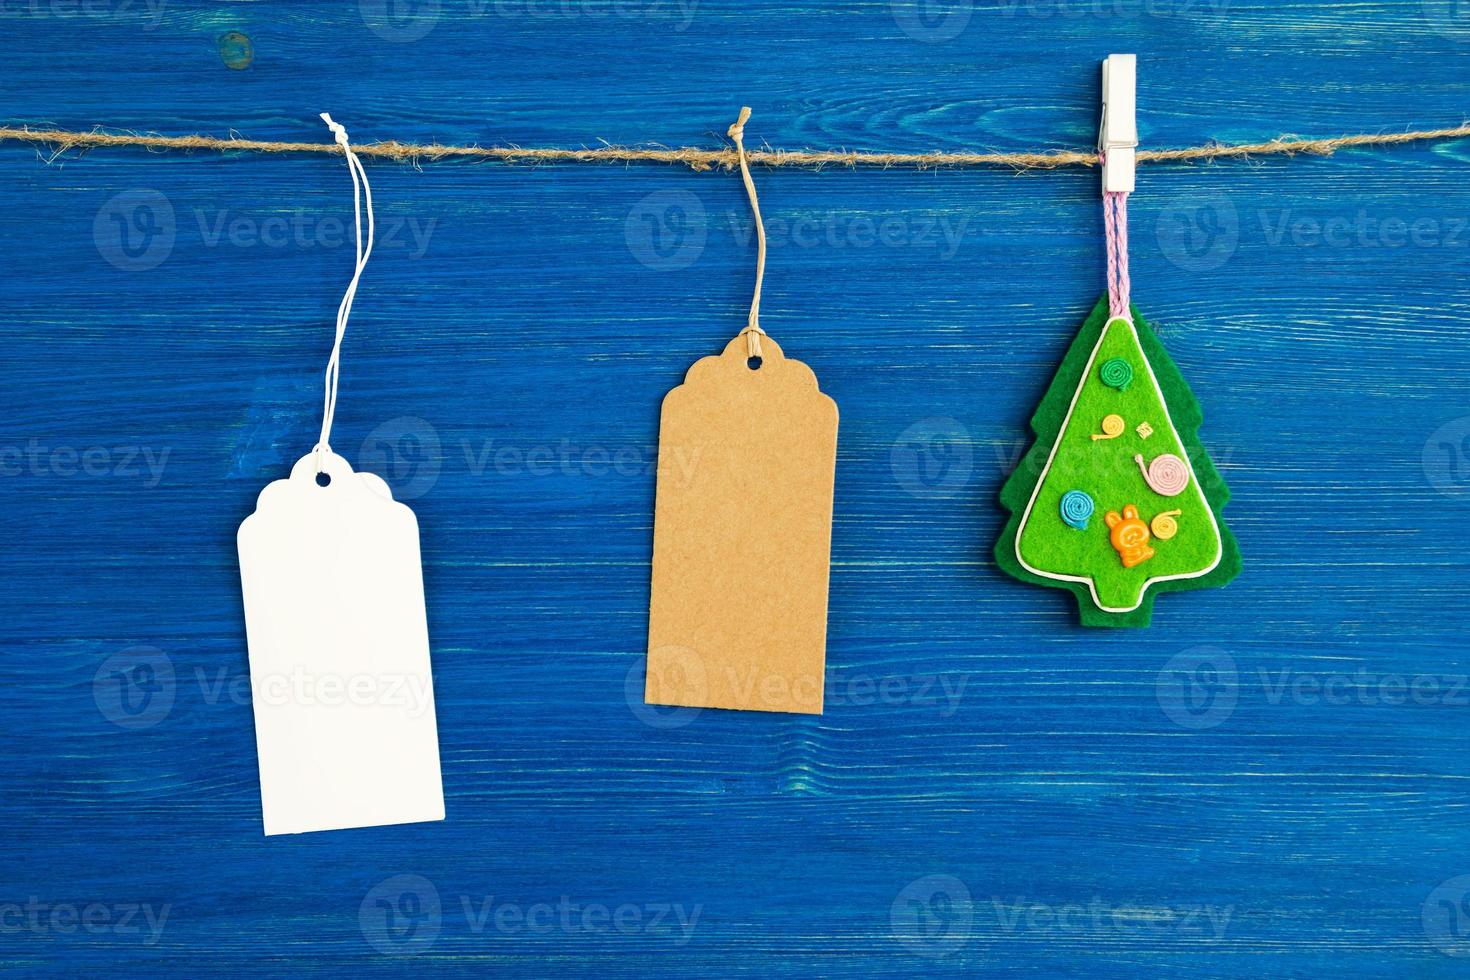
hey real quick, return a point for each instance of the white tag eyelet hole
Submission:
(324, 479)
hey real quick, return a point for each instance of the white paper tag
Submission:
(339, 653)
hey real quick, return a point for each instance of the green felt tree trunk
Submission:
(1143, 500)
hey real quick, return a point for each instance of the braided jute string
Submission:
(702, 159)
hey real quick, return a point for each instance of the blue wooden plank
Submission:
(992, 789)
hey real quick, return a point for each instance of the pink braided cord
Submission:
(1115, 224)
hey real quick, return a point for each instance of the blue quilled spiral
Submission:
(1077, 507)
(1116, 373)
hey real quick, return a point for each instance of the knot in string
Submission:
(752, 337)
(737, 129)
(337, 130)
(753, 332)
(364, 245)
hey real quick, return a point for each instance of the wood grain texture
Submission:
(512, 340)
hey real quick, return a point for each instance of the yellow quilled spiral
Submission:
(1112, 427)
(1164, 526)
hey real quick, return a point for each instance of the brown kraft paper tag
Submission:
(742, 536)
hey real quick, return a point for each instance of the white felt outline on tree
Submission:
(1066, 422)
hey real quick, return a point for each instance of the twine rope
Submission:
(362, 198)
(705, 159)
(752, 331)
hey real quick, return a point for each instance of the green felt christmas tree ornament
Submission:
(1117, 500)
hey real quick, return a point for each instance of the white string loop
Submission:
(344, 310)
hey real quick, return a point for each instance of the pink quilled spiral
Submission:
(1167, 474)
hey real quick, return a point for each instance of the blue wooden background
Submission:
(1271, 781)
